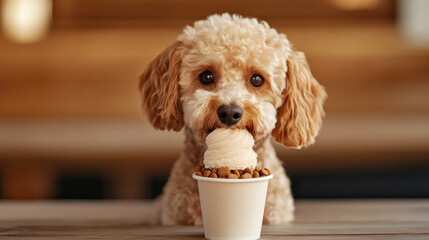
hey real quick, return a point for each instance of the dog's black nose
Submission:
(229, 114)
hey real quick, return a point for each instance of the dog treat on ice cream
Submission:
(225, 172)
(232, 148)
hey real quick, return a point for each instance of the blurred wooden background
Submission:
(70, 107)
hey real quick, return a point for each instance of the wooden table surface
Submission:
(339, 219)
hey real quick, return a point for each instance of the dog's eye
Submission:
(206, 78)
(256, 80)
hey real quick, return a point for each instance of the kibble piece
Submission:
(213, 175)
(198, 168)
(232, 176)
(258, 168)
(202, 169)
(214, 170)
(223, 172)
(249, 171)
(241, 172)
(199, 174)
(255, 174)
(207, 173)
(264, 172)
(236, 173)
(246, 175)
(268, 170)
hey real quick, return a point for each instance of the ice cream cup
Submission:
(232, 208)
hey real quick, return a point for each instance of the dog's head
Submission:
(234, 72)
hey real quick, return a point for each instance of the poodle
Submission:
(244, 66)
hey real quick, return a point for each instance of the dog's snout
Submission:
(229, 114)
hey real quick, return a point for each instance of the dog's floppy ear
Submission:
(299, 118)
(159, 86)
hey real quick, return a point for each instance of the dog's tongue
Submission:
(232, 148)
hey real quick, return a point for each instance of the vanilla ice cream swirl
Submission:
(231, 148)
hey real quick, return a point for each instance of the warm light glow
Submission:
(355, 4)
(26, 20)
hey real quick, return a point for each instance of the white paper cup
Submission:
(232, 208)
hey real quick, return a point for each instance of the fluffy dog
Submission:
(231, 72)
